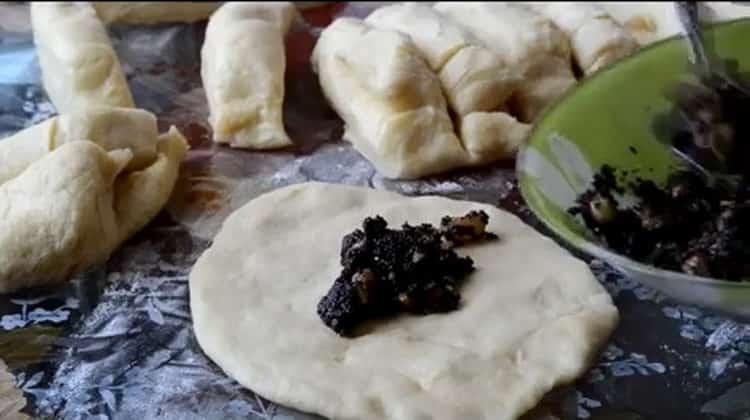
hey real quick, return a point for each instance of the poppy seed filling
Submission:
(387, 271)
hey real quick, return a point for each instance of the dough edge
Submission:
(600, 314)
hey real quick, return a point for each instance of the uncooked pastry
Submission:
(110, 128)
(393, 104)
(474, 79)
(153, 12)
(717, 11)
(647, 21)
(531, 317)
(79, 66)
(652, 21)
(528, 41)
(12, 400)
(242, 67)
(72, 208)
(595, 37)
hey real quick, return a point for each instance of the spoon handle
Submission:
(688, 14)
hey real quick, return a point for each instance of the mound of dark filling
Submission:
(386, 271)
(684, 226)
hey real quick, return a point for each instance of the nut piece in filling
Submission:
(386, 271)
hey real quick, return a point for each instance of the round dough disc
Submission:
(531, 315)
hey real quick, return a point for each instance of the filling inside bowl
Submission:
(691, 223)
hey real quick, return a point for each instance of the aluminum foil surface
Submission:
(117, 342)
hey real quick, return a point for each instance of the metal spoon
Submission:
(688, 15)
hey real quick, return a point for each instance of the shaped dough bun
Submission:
(652, 21)
(243, 65)
(279, 13)
(596, 38)
(110, 128)
(493, 135)
(473, 77)
(528, 41)
(79, 66)
(531, 316)
(153, 12)
(648, 21)
(12, 399)
(389, 99)
(73, 207)
(475, 80)
(392, 103)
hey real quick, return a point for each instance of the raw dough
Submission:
(153, 12)
(595, 37)
(652, 21)
(79, 66)
(392, 103)
(532, 316)
(110, 128)
(72, 208)
(647, 21)
(12, 400)
(149, 13)
(528, 41)
(243, 65)
(474, 78)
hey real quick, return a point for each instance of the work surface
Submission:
(118, 342)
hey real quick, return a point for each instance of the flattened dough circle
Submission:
(531, 315)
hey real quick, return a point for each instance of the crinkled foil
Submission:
(117, 342)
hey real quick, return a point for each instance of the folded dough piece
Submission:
(652, 21)
(243, 65)
(474, 78)
(391, 102)
(493, 135)
(647, 21)
(389, 99)
(12, 400)
(153, 12)
(528, 41)
(596, 39)
(72, 208)
(110, 128)
(79, 66)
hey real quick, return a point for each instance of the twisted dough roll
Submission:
(79, 66)
(243, 66)
(74, 187)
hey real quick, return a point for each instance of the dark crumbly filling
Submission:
(685, 226)
(386, 271)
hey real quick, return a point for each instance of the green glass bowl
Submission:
(607, 119)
